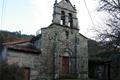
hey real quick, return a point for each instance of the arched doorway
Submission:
(65, 63)
(68, 64)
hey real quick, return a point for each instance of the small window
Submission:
(67, 34)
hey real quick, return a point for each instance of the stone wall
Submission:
(83, 57)
(24, 59)
(56, 40)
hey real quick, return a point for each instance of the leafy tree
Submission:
(10, 72)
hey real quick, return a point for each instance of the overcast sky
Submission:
(28, 16)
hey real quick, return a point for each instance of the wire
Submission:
(90, 17)
(89, 13)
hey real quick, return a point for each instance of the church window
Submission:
(67, 34)
(62, 18)
(70, 22)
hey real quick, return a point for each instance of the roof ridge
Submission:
(17, 41)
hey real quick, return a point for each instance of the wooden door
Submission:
(26, 73)
(65, 65)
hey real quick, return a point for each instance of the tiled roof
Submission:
(17, 41)
(22, 48)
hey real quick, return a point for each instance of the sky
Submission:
(28, 16)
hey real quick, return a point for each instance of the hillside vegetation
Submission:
(6, 36)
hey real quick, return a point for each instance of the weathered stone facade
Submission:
(63, 50)
(55, 44)
(24, 59)
(62, 39)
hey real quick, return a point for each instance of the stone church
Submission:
(60, 52)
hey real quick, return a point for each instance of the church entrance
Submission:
(65, 64)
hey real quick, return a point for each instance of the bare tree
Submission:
(112, 6)
(110, 37)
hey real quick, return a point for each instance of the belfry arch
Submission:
(62, 22)
(70, 20)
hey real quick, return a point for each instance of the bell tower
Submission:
(64, 13)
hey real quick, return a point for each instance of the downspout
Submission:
(75, 56)
(54, 51)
